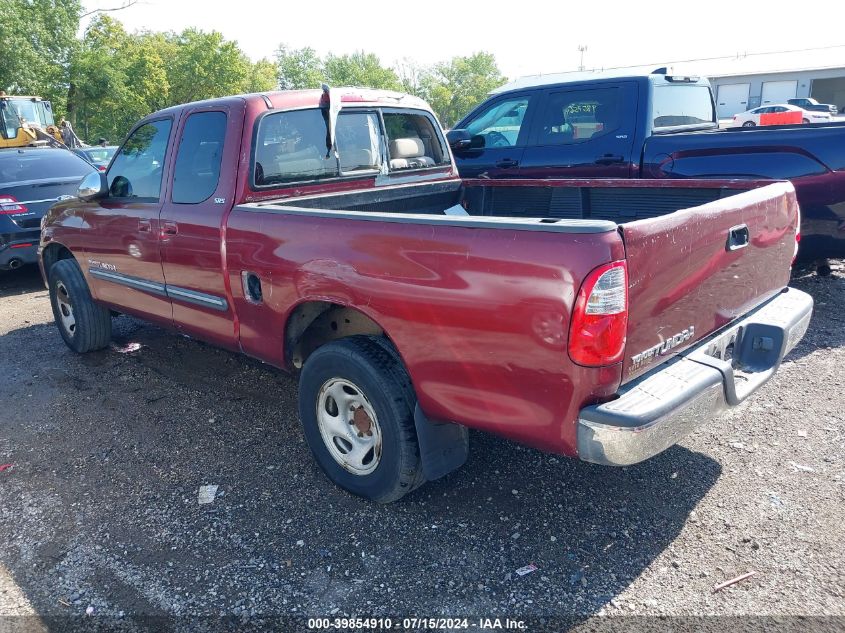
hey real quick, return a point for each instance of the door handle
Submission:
(507, 163)
(610, 159)
(738, 237)
(145, 226)
(169, 229)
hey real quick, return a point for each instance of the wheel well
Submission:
(315, 323)
(53, 253)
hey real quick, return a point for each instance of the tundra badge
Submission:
(661, 348)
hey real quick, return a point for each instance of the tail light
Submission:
(600, 317)
(797, 235)
(9, 205)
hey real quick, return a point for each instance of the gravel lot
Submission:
(99, 510)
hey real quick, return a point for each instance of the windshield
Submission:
(37, 112)
(100, 155)
(41, 164)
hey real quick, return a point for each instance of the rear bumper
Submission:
(16, 254)
(658, 409)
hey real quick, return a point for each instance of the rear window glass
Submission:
(674, 105)
(197, 169)
(17, 166)
(293, 146)
(413, 142)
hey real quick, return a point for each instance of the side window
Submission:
(576, 116)
(501, 122)
(413, 142)
(137, 169)
(197, 170)
(292, 146)
(358, 139)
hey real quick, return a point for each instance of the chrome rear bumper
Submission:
(658, 409)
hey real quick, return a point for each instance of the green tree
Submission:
(298, 68)
(360, 69)
(205, 66)
(37, 40)
(453, 88)
(262, 77)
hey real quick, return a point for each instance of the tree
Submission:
(205, 66)
(298, 68)
(262, 77)
(453, 88)
(37, 39)
(360, 69)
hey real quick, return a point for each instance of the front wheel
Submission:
(805, 121)
(749, 124)
(84, 325)
(356, 404)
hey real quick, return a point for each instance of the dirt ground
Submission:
(104, 455)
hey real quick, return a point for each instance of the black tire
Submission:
(92, 327)
(377, 371)
(749, 124)
(805, 121)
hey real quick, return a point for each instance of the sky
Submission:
(526, 36)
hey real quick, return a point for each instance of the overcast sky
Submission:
(526, 36)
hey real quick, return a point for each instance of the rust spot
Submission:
(362, 422)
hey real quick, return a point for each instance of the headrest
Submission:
(406, 148)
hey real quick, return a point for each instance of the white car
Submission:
(780, 114)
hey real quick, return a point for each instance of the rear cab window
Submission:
(678, 106)
(576, 116)
(413, 142)
(294, 146)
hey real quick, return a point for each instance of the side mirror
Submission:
(459, 139)
(92, 186)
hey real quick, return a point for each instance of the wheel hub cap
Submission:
(65, 309)
(349, 426)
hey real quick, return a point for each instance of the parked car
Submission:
(98, 155)
(31, 179)
(329, 234)
(784, 114)
(652, 126)
(812, 105)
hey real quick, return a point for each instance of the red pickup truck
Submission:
(328, 233)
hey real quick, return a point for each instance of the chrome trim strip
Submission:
(162, 290)
(132, 282)
(199, 298)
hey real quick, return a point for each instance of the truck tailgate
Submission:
(696, 270)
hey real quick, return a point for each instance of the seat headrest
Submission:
(410, 147)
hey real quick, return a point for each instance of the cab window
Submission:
(413, 142)
(575, 116)
(137, 168)
(501, 122)
(197, 169)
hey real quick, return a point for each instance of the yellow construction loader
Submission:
(27, 121)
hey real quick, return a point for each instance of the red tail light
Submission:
(9, 205)
(797, 236)
(600, 318)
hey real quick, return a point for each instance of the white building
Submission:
(750, 81)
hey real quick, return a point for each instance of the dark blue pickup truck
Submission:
(576, 125)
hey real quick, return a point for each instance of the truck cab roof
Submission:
(553, 79)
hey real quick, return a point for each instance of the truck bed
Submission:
(683, 275)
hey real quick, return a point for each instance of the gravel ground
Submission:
(99, 511)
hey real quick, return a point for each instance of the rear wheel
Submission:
(356, 404)
(84, 325)
(749, 124)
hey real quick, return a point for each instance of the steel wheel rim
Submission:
(349, 426)
(65, 309)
